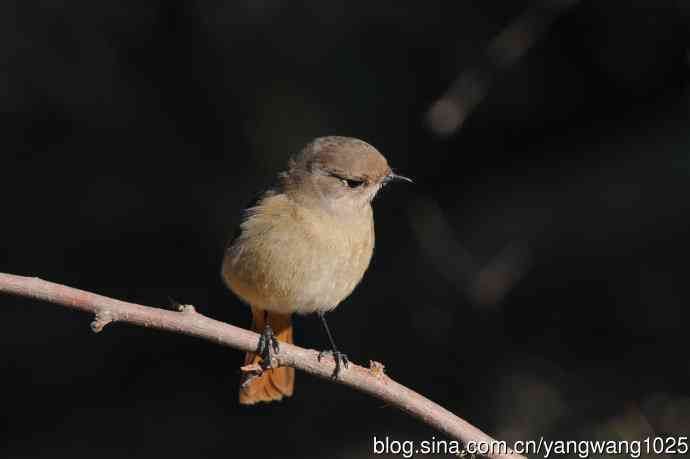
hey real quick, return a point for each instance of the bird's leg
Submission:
(338, 356)
(267, 343)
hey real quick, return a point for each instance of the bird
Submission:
(302, 248)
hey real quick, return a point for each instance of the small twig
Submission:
(101, 319)
(188, 322)
(251, 372)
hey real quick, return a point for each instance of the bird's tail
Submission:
(274, 383)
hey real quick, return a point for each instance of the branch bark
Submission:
(187, 321)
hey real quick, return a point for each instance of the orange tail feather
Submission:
(275, 383)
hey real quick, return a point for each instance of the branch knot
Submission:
(186, 309)
(102, 319)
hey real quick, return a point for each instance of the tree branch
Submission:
(187, 321)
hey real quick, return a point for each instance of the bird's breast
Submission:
(292, 259)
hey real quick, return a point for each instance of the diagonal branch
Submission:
(447, 114)
(187, 321)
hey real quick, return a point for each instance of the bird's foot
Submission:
(339, 358)
(268, 345)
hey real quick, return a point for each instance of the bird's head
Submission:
(342, 173)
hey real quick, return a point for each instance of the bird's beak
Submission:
(393, 176)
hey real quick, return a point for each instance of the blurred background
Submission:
(533, 280)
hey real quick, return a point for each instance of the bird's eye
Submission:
(352, 183)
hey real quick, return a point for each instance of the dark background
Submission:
(533, 280)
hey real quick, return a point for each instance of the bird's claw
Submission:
(267, 343)
(339, 358)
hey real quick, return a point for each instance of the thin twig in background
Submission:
(187, 321)
(447, 113)
(484, 283)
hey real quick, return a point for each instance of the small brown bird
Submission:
(303, 247)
